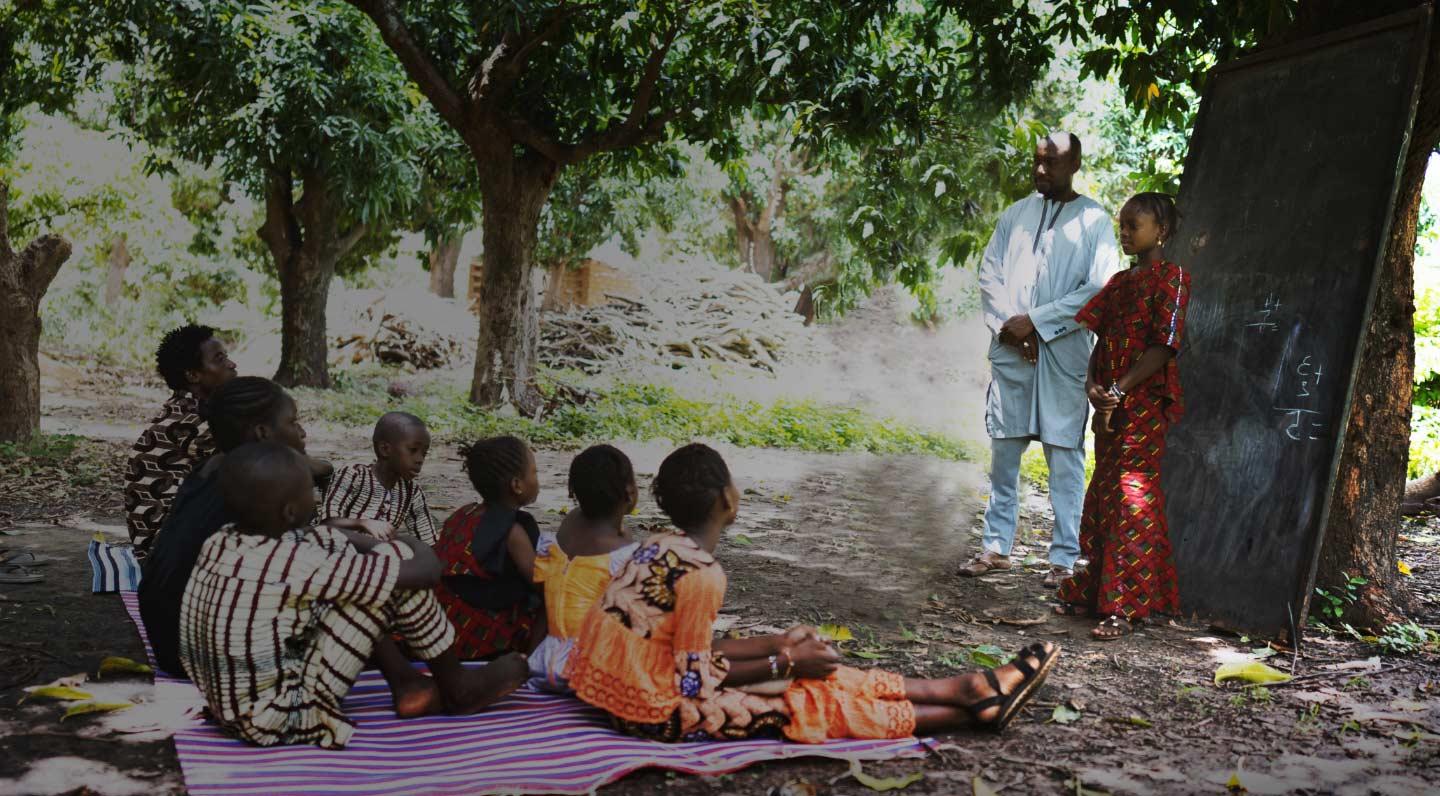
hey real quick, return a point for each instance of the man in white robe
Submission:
(1050, 253)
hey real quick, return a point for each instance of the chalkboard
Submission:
(1286, 198)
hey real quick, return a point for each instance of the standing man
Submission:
(1050, 253)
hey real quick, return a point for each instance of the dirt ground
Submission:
(858, 541)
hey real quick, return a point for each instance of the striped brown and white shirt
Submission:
(253, 635)
(356, 493)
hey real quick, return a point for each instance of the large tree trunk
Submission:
(1364, 519)
(119, 262)
(443, 258)
(507, 346)
(306, 241)
(24, 278)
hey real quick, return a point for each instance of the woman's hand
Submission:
(1100, 398)
(813, 659)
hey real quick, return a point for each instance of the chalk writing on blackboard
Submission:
(1305, 423)
(1265, 324)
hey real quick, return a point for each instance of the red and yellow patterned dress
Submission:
(1123, 531)
(644, 655)
(490, 603)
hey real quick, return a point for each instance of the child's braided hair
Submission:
(493, 463)
(1160, 206)
(240, 404)
(599, 479)
(179, 351)
(689, 482)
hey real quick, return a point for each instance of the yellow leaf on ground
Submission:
(95, 707)
(57, 692)
(883, 783)
(1403, 567)
(981, 788)
(118, 665)
(1250, 672)
(1234, 784)
(836, 633)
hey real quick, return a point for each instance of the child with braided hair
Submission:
(577, 562)
(488, 553)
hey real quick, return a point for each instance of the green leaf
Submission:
(742, 540)
(885, 783)
(63, 692)
(80, 708)
(1250, 672)
(836, 633)
(1064, 714)
(117, 665)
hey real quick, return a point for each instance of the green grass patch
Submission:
(644, 412)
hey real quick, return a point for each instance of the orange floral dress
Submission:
(644, 656)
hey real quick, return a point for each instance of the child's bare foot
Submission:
(483, 687)
(416, 698)
(994, 696)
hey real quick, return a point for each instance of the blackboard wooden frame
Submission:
(1303, 581)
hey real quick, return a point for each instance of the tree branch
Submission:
(635, 129)
(41, 261)
(525, 133)
(347, 241)
(547, 29)
(280, 232)
(448, 102)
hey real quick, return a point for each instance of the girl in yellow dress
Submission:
(577, 562)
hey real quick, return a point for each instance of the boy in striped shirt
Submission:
(386, 490)
(277, 621)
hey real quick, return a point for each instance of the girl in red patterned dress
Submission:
(488, 553)
(1134, 385)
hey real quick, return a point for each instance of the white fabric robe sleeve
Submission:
(995, 302)
(1057, 318)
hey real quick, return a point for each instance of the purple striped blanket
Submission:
(532, 742)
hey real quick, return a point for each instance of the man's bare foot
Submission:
(480, 688)
(416, 698)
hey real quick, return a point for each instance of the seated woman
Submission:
(244, 409)
(194, 364)
(646, 653)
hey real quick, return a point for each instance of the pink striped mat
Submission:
(532, 742)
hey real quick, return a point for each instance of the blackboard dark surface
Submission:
(1285, 202)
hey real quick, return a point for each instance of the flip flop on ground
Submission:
(1111, 628)
(14, 573)
(985, 563)
(24, 558)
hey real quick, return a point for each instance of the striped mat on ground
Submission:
(531, 742)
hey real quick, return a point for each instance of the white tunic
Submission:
(1047, 268)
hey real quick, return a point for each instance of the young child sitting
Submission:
(386, 490)
(646, 653)
(488, 553)
(277, 621)
(576, 563)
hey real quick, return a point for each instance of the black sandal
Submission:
(1011, 703)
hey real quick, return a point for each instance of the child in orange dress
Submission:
(646, 653)
(488, 553)
(576, 563)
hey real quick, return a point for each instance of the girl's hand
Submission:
(799, 633)
(814, 659)
(1100, 398)
(1102, 424)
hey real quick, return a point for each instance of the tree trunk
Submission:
(753, 239)
(305, 241)
(1364, 518)
(24, 278)
(507, 346)
(443, 258)
(119, 261)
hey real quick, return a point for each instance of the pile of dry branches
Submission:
(392, 339)
(722, 316)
